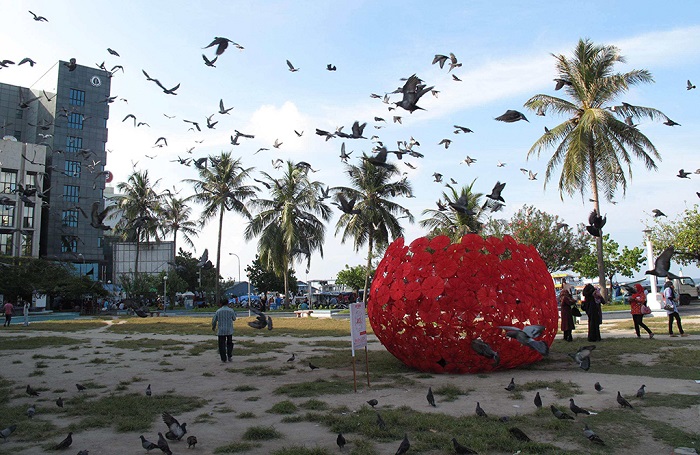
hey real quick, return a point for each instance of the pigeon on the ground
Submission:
(460, 449)
(80, 387)
(590, 434)
(65, 443)
(163, 445)
(340, 440)
(641, 392)
(84, 452)
(583, 356)
(5, 433)
(380, 422)
(148, 390)
(312, 366)
(59, 402)
(31, 410)
(269, 323)
(598, 387)
(538, 400)
(430, 397)
(175, 430)
(519, 434)
(148, 445)
(483, 349)
(560, 414)
(291, 359)
(191, 442)
(31, 392)
(404, 446)
(622, 401)
(577, 409)
(373, 402)
(511, 385)
(479, 411)
(663, 263)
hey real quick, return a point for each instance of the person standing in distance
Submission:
(224, 318)
(671, 307)
(9, 309)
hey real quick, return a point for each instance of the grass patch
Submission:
(252, 399)
(302, 450)
(76, 325)
(17, 343)
(316, 388)
(245, 388)
(674, 400)
(202, 347)
(449, 392)
(49, 357)
(207, 374)
(283, 407)
(259, 370)
(236, 447)
(37, 373)
(246, 415)
(261, 434)
(129, 412)
(205, 418)
(314, 405)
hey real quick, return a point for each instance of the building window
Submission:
(77, 97)
(18, 135)
(74, 144)
(71, 193)
(75, 121)
(73, 168)
(30, 180)
(26, 245)
(100, 242)
(7, 215)
(69, 218)
(8, 181)
(19, 113)
(6, 244)
(28, 217)
(69, 244)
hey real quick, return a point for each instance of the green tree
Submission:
(175, 217)
(139, 206)
(291, 222)
(456, 224)
(378, 218)
(265, 279)
(221, 188)
(683, 233)
(625, 262)
(354, 277)
(558, 244)
(595, 145)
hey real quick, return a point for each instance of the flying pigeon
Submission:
(583, 356)
(175, 430)
(662, 264)
(657, 213)
(483, 349)
(526, 336)
(511, 116)
(222, 44)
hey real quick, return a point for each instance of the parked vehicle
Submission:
(685, 287)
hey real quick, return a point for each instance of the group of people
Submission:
(592, 305)
(9, 310)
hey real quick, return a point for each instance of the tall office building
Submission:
(66, 110)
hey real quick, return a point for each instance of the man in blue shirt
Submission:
(224, 316)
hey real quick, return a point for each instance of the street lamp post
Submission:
(239, 265)
(653, 298)
(165, 293)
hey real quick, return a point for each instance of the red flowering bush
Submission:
(431, 299)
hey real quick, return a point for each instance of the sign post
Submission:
(358, 333)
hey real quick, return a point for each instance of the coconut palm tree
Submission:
(139, 205)
(378, 216)
(221, 188)
(452, 223)
(290, 222)
(595, 145)
(175, 217)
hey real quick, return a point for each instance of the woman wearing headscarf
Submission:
(567, 319)
(638, 299)
(593, 311)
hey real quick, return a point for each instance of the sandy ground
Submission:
(206, 376)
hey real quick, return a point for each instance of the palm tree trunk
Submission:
(136, 258)
(286, 286)
(174, 244)
(370, 241)
(218, 256)
(599, 239)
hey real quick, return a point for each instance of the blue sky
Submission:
(505, 49)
